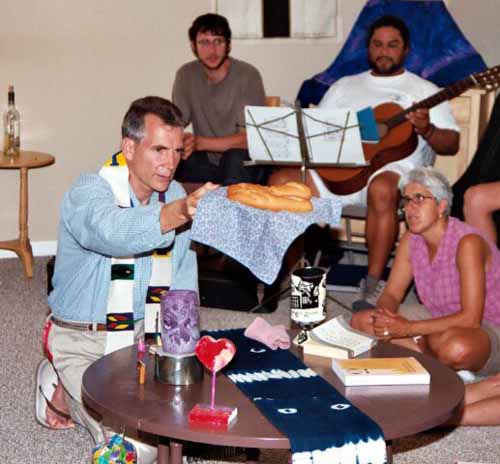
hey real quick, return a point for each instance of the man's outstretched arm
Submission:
(179, 212)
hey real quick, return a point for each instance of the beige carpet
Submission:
(24, 307)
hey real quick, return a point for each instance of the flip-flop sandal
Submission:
(46, 382)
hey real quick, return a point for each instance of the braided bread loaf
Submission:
(294, 197)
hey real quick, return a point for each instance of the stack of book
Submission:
(337, 340)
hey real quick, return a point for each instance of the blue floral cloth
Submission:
(439, 52)
(256, 238)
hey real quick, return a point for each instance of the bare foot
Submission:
(57, 413)
(486, 388)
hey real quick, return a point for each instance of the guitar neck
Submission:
(446, 94)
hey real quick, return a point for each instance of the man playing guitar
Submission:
(387, 81)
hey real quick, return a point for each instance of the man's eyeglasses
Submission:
(417, 199)
(205, 43)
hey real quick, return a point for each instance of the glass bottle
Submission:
(11, 127)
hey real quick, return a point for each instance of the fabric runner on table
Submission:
(323, 427)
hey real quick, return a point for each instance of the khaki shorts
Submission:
(417, 312)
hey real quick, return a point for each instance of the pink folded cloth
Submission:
(273, 336)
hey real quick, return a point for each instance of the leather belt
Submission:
(81, 326)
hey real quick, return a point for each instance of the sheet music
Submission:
(332, 135)
(278, 128)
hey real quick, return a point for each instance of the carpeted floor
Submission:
(22, 439)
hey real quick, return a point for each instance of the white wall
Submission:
(76, 66)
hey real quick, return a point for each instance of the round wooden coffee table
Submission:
(111, 389)
(25, 161)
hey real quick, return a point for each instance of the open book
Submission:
(337, 339)
(332, 135)
(380, 371)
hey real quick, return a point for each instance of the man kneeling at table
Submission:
(130, 209)
(456, 270)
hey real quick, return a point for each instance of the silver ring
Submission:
(386, 333)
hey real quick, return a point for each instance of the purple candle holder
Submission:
(180, 320)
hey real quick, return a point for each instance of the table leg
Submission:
(389, 451)
(24, 252)
(163, 453)
(252, 455)
(22, 246)
(175, 452)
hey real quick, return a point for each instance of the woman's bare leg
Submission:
(480, 201)
(482, 403)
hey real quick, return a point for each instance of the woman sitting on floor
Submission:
(457, 276)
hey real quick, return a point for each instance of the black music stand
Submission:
(306, 160)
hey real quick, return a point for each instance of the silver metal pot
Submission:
(175, 369)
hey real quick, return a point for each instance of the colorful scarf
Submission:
(120, 307)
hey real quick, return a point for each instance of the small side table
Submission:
(26, 160)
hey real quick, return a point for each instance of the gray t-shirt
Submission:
(216, 109)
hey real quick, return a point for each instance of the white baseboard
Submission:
(48, 248)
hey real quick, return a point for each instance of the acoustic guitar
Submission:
(398, 138)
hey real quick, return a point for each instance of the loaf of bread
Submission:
(291, 189)
(294, 197)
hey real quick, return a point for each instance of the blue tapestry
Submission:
(439, 52)
(323, 427)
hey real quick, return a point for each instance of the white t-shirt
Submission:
(364, 89)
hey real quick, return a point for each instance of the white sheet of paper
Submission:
(281, 146)
(342, 145)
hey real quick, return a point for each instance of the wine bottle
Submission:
(11, 127)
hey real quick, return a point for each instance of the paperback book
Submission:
(337, 339)
(380, 371)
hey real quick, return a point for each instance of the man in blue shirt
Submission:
(130, 209)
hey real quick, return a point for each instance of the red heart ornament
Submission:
(214, 354)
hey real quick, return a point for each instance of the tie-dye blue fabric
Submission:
(322, 425)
